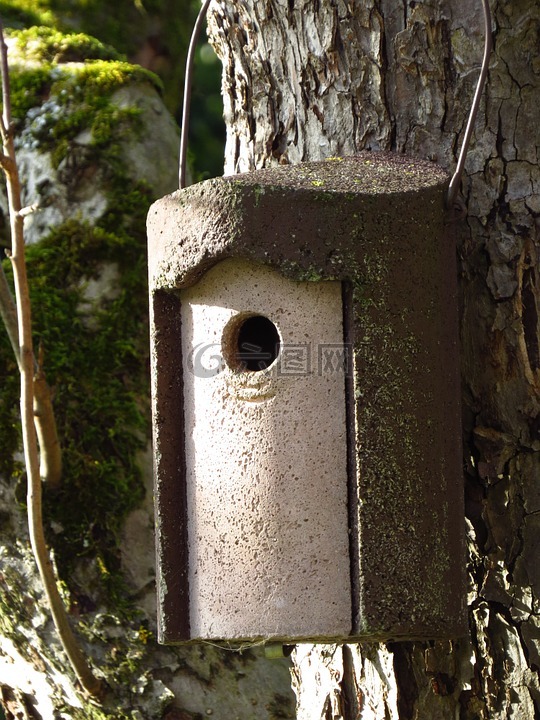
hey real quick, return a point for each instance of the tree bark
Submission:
(309, 79)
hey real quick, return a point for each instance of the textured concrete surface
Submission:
(375, 223)
(266, 462)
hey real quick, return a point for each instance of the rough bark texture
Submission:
(307, 79)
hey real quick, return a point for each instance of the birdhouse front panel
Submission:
(266, 455)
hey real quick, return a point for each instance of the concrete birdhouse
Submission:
(306, 413)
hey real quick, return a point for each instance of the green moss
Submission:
(127, 25)
(55, 101)
(136, 28)
(46, 44)
(90, 712)
(9, 412)
(99, 372)
(104, 77)
(15, 608)
(97, 366)
(29, 88)
(311, 274)
(95, 352)
(24, 12)
(120, 24)
(107, 124)
(95, 360)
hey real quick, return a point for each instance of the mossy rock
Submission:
(95, 147)
(45, 44)
(82, 124)
(123, 24)
(86, 142)
(155, 32)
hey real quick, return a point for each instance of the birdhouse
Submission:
(306, 416)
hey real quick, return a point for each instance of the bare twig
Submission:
(5, 119)
(26, 362)
(6, 82)
(5, 162)
(28, 210)
(50, 466)
(44, 420)
(8, 313)
(50, 451)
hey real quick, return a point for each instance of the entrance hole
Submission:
(250, 343)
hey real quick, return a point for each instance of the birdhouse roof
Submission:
(310, 221)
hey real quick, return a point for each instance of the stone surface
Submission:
(161, 138)
(266, 461)
(76, 187)
(44, 185)
(137, 549)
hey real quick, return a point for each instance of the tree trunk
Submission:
(309, 79)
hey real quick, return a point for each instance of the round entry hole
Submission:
(250, 343)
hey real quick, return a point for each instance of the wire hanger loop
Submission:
(453, 188)
(187, 93)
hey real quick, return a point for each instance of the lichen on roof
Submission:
(366, 173)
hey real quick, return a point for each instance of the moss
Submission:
(156, 30)
(127, 25)
(99, 374)
(89, 712)
(29, 88)
(104, 77)
(97, 368)
(55, 101)
(120, 24)
(24, 12)
(293, 270)
(9, 413)
(46, 44)
(280, 707)
(16, 609)
(95, 358)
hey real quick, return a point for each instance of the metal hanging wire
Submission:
(453, 188)
(187, 93)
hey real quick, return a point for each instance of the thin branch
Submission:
(50, 467)
(5, 162)
(8, 312)
(30, 445)
(6, 83)
(29, 209)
